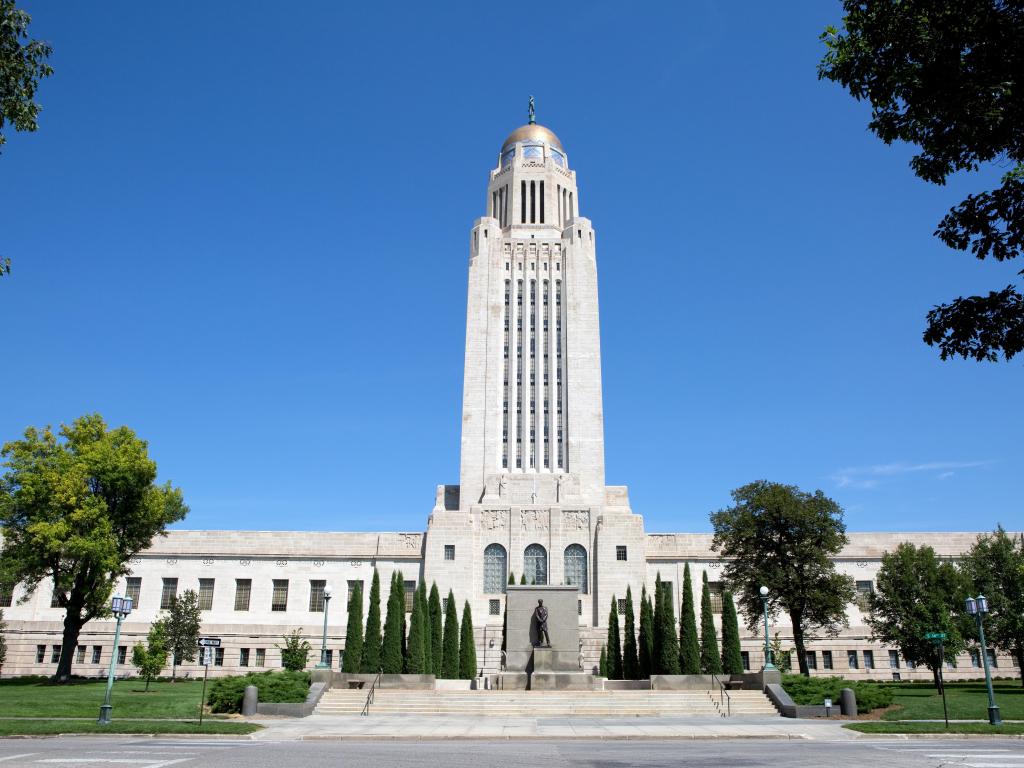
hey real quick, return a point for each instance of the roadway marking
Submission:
(15, 757)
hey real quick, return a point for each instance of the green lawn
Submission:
(13, 726)
(1007, 729)
(33, 698)
(966, 701)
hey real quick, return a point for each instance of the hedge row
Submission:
(225, 694)
(814, 690)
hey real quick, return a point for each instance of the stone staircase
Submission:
(695, 703)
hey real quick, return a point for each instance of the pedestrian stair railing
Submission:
(369, 696)
(724, 702)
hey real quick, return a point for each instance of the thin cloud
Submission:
(871, 476)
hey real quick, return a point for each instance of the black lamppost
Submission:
(120, 607)
(323, 647)
(978, 607)
(767, 645)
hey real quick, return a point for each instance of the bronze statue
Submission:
(540, 613)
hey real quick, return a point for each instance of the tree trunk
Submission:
(798, 640)
(73, 623)
(935, 678)
(1020, 663)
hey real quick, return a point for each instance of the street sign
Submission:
(209, 642)
(207, 657)
(935, 635)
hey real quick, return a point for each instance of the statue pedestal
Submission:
(563, 681)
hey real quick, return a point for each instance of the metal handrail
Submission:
(723, 696)
(369, 696)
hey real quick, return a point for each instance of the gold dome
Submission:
(532, 132)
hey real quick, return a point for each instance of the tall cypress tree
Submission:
(710, 661)
(602, 663)
(428, 650)
(404, 621)
(511, 578)
(689, 646)
(669, 661)
(391, 652)
(645, 651)
(522, 580)
(354, 632)
(371, 655)
(467, 645)
(450, 658)
(630, 660)
(732, 661)
(658, 618)
(414, 658)
(436, 631)
(614, 649)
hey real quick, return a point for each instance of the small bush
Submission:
(814, 690)
(225, 694)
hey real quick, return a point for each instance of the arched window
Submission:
(576, 567)
(535, 564)
(495, 569)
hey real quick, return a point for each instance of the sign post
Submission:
(206, 646)
(939, 638)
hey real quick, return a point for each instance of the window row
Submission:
(535, 567)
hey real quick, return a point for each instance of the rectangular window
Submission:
(745, 656)
(40, 654)
(261, 657)
(826, 659)
(55, 654)
(218, 657)
(316, 595)
(80, 655)
(851, 660)
(206, 594)
(6, 594)
(812, 659)
(449, 551)
(494, 607)
(865, 589)
(410, 593)
(279, 598)
(97, 653)
(975, 658)
(991, 658)
(243, 657)
(716, 588)
(352, 584)
(122, 653)
(910, 664)
(894, 659)
(869, 659)
(444, 605)
(168, 593)
(243, 591)
(132, 589)
(620, 552)
(622, 607)
(330, 657)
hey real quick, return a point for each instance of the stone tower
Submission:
(532, 488)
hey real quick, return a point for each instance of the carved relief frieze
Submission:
(576, 520)
(536, 519)
(494, 519)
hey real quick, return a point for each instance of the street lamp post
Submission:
(120, 607)
(767, 645)
(977, 607)
(323, 647)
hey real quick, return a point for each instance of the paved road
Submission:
(97, 752)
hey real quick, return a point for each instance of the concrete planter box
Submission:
(295, 709)
(682, 683)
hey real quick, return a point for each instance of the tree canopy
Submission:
(75, 507)
(783, 538)
(182, 628)
(945, 75)
(150, 658)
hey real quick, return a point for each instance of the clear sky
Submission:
(242, 230)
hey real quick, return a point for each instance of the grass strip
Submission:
(1006, 729)
(13, 726)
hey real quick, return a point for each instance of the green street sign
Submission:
(935, 636)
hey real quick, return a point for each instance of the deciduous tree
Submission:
(945, 76)
(75, 507)
(182, 626)
(295, 651)
(785, 539)
(151, 657)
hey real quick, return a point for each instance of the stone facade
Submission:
(532, 497)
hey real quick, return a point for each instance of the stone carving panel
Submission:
(536, 519)
(494, 519)
(576, 520)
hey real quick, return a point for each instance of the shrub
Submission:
(814, 690)
(225, 694)
(295, 651)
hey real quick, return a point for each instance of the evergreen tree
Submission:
(511, 578)
(391, 652)
(467, 645)
(630, 660)
(352, 661)
(645, 644)
(436, 632)
(371, 656)
(710, 661)
(522, 580)
(732, 661)
(414, 646)
(450, 657)
(404, 621)
(428, 635)
(689, 647)
(658, 617)
(669, 646)
(614, 649)
(602, 664)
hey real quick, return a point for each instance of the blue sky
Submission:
(242, 229)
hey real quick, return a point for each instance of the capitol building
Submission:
(531, 498)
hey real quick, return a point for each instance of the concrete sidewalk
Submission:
(384, 727)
